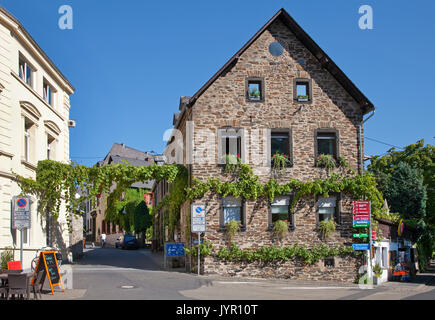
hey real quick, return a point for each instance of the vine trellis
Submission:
(58, 182)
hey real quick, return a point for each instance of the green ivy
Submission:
(56, 182)
(274, 253)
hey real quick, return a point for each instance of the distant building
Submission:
(119, 153)
(34, 126)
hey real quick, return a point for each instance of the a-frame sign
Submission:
(47, 263)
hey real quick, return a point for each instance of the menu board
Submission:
(47, 263)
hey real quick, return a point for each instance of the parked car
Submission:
(129, 242)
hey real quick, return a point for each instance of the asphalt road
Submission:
(114, 274)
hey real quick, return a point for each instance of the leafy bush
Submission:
(273, 253)
(280, 229)
(326, 228)
(231, 228)
(6, 256)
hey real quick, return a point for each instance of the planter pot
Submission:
(376, 280)
(302, 99)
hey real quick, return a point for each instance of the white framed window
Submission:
(48, 93)
(232, 209)
(28, 139)
(326, 209)
(280, 209)
(231, 145)
(50, 147)
(25, 71)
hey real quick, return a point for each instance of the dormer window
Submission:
(302, 90)
(255, 89)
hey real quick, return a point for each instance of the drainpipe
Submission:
(360, 142)
(369, 264)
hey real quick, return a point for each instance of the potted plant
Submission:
(232, 163)
(6, 256)
(326, 228)
(280, 229)
(326, 161)
(231, 229)
(280, 161)
(377, 271)
(302, 98)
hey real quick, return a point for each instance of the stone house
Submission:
(279, 93)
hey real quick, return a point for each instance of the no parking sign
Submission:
(198, 218)
(21, 212)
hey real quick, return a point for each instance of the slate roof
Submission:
(119, 153)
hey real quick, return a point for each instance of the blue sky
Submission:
(131, 60)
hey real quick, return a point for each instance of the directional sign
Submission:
(361, 246)
(360, 235)
(361, 223)
(359, 218)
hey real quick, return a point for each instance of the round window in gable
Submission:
(276, 49)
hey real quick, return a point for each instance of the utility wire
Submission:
(385, 143)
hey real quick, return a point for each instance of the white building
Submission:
(34, 125)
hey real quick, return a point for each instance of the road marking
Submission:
(237, 282)
(317, 288)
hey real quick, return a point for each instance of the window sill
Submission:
(29, 165)
(6, 154)
(309, 101)
(223, 229)
(290, 228)
(253, 100)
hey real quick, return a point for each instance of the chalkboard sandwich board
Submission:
(47, 263)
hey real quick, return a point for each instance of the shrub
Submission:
(6, 256)
(326, 228)
(280, 229)
(231, 229)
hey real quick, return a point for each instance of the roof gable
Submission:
(309, 43)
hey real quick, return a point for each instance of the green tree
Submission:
(406, 193)
(416, 155)
(407, 180)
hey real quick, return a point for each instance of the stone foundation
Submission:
(345, 269)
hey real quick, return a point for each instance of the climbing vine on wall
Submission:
(56, 182)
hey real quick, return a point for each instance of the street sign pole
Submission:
(198, 225)
(21, 246)
(199, 253)
(370, 274)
